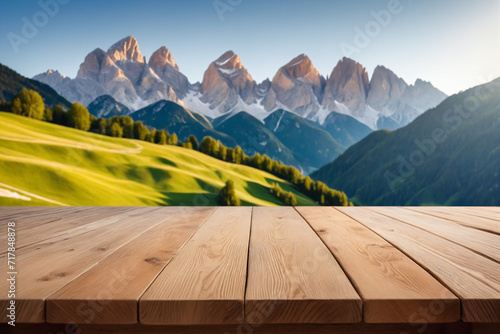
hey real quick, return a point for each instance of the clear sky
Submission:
(455, 44)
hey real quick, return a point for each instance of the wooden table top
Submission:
(261, 265)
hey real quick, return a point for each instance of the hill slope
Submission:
(47, 164)
(449, 155)
(11, 83)
(106, 106)
(311, 145)
(177, 119)
(253, 137)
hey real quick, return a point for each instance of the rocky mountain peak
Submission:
(162, 57)
(296, 86)
(92, 64)
(164, 66)
(229, 60)
(347, 84)
(385, 89)
(225, 82)
(55, 73)
(52, 78)
(126, 49)
(301, 67)
(348, 68)
(227, 68)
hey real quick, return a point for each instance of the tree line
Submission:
(288, 198)
(30, 104)
(316, 190)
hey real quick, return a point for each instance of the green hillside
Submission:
(47, 164)
(254, 137)
(450, 155)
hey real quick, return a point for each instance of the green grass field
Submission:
(47, 164)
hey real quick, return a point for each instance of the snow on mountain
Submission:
(384, 100)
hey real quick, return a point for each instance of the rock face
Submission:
(386, 89)
(348, 84)
(296, 87)
(79, 90)
(163, 64)
(99, 68)
(122, 73)
(126, 49)
(384, 101)
(226, 82)
(397, 102)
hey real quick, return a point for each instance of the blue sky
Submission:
(455, 44)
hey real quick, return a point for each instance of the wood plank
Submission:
(108, 293)
(472, 277)
(292, 276)
(205, 282)
(465, 219)
(492, 213)
(358, 328)
(46, 267)
(482, 242)
(393, 287)
(13, 212)
(36, 216)
(53, 222)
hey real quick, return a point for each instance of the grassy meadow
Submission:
(47, 164)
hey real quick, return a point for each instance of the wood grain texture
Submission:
(292, 276)
(44, 268)
(108, 293)
(72, 254)
(492, 213)
(358, 328)
(482, 242)
(469, 217)
(205, 282)
(472, 277)
(393, 287)
(52, 222)
(32, 217)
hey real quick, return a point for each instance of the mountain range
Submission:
(382, 101)
(282, 135)
(450, 155)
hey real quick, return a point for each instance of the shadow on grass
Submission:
(257, 190)
(159, 175)
(165, 161)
